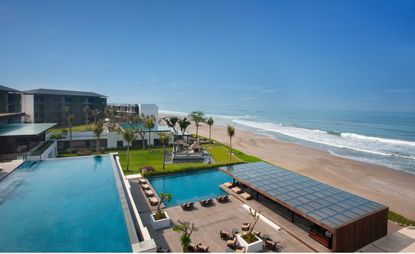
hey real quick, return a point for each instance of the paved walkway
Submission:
(400, 241)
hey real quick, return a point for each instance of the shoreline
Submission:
(391, 187)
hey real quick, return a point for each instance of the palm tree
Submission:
(171, 122)
(183, 124)
(128, 136)
(98, 129)
(86, 110)
(70, 118)
(95, 113)
(210, 122)
(231, 133)
(164, 139)
(198, 117)
(149, 124)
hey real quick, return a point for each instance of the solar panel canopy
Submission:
(317, 200)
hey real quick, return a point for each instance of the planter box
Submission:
(159, 224)
(251, 247)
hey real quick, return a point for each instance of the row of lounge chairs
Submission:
(198, 248)
(205, 202)
(238, 190)
(148, 192)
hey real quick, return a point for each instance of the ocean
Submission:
(382, 138)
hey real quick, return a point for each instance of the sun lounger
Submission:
(224, 235)
(201, 248)
(149, 193)
(246, 195)
(206, 202)
(237, 190)
(246, 226)
(228, 185)
(153, 201)
(142, 181)
(145, 186)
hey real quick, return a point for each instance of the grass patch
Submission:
(400, 219)
(80, 128)
(220, 153)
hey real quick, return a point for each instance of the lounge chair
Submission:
(224, 235)
(206, 202)
(246, 226)
(270, 244)
(232, 242)
(201, 248)
(240, 249)
(237, 190)
(246, 195)
(142, 181)
(149, 193)
(187, 206)
(228, 185)
(145, 186)
(223, 199)
(153, 201)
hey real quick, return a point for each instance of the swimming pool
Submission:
(190, 186)
(63, 205)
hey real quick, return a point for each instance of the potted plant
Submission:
(161, 219)
(249, 239)
(183, 228)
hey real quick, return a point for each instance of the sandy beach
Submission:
(390, 187)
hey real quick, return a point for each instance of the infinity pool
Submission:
(62, 205)
(189, 187)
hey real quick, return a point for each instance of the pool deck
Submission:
(8, 167)
(208, 223)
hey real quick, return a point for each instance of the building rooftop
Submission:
(8, 89)
(27, 129)
(10, 115)
(322, 204)
(62, 92)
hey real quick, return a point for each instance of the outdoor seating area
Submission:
(206, 202)
(188, 206)
(222, 199)
(148, 192)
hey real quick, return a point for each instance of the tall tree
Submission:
(164, 139)
(96, 113)
(98, 129)
(139, 128)
(149, 124)
(70, 118)
(210, 122)
(231, 133)
(183, 124)
(197, 117)
(171, 122)
(86, 110)
(128, 136)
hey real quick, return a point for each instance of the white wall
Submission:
(28, 106)
(149, 109)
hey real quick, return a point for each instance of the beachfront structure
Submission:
(10, 105)
(21, 139)
(339, 220)
(120, 109)
(48, 105)
(149, 110)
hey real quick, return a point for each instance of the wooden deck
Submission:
(208, 223)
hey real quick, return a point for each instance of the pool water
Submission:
(62, 205)
(190, 187)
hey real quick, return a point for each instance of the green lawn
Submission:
(220, 153)
(85, 127)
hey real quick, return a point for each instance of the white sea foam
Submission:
(371, 145)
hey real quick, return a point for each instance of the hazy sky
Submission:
(304, 54)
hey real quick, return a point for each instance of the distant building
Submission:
(121, 110)
(10, 105)
(48, 105)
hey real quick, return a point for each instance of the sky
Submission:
(351, 55)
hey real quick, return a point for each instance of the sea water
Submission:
(382, 138)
